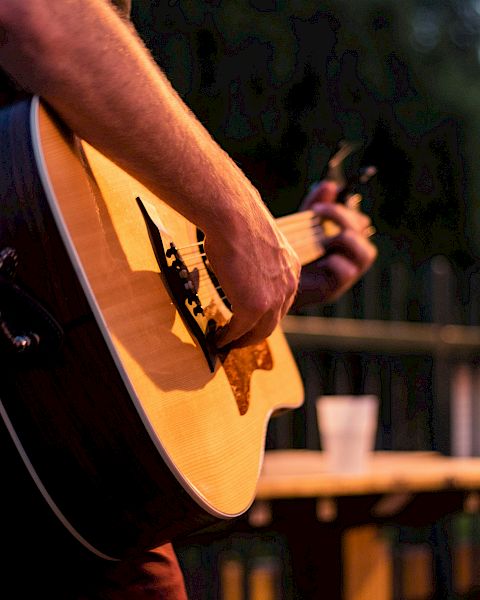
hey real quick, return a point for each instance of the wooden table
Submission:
(303, 474)
(316, 510)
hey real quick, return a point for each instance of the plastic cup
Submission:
(347, 428)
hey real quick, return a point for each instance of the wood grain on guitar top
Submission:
(191, 411)
(134, 438)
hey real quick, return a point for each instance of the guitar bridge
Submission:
(182, 286)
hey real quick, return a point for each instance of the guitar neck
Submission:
(305, 233)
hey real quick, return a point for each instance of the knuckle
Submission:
(268, 326)
(365, 220)
(256, 306)
(293, 285)
(349, 236)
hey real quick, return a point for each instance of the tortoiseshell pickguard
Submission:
(240, 363)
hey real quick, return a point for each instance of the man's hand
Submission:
(349, 253)
(258, 271)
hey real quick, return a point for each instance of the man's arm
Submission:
(87, 63)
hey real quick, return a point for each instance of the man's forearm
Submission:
(82, 58)
(90, 66)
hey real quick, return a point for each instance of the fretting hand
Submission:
(349, 252)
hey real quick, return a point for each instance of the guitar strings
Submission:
(204, 275)
(292, 223)
(304, 221)
(197, 262)
(314, 237)
(295, 224)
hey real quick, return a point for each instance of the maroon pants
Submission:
(154, 574)
(40, 559)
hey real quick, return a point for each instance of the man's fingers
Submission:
(344, 217)
(339, 272)
(354, 201)
(233, 330)
(323, 192)
(239, 332)
(354, 247)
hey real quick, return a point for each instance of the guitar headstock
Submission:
(349, 185)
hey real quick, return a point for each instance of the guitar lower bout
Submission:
(142, 433)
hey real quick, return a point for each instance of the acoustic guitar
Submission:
(134, 429)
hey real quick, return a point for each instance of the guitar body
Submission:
(131, 437)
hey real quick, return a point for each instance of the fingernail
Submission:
(354, 201)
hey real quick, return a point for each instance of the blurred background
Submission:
(279, 84)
